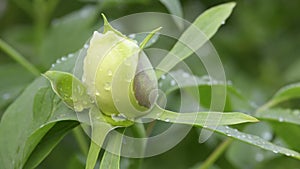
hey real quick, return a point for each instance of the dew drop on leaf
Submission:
(280, 119)
(70, 55)
(259, 157)
(78, 107)
(267, 135)
(6, 96)
(173, 83)
(63, 58)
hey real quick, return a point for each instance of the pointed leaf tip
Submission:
(107, 27)
(148, 37)
(69, 89)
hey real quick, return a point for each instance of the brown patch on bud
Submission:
(144, 81)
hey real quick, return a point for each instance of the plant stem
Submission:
(216, 154)
(83, 145)
(138, 131)
(18, 58)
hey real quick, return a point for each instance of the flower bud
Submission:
(114, 74)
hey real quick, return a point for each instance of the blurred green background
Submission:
(259, 46)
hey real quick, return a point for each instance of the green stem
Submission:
(138, 131)
(42, 10)
(216, 154)
(82, 142)
(18, 58)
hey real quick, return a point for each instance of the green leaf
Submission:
(140, 37)
(111, 160)
(280, 115)
(199, 119)
(69, 89)
(49, 141)
(25, 132)
(147, 39)
(174, 7)
(45, 100)
(100, 129)
(281, 129)
(256, 141)
(278, 163)
(189, 80)
(288, 92)
(202, 29)
(14, 78)
(76, 162)
(179, 79)
(255, 155)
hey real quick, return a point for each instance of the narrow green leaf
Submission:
(199, 118)
(49, 141)
(174, 7)
(280, 115)
(144, 43)
(140, 37)
(235, 100)
(25, 132)
(256, 141)
(202, 29)
(69, 89)
(100, 129)
(286, 93)
(111, 160)
(255, 155)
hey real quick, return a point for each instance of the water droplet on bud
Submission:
(109, 73)
(107, 86)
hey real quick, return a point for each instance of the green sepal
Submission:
(69, 89)
(107, 27)
(148, 37)
(118, 120)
